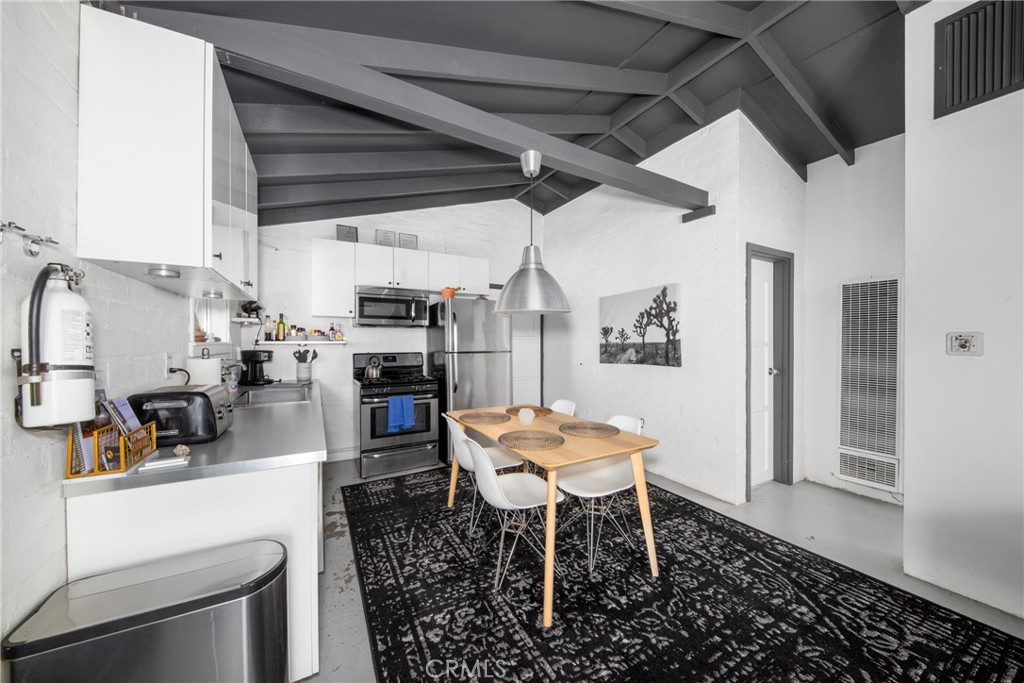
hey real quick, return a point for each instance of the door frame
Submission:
(782, 339)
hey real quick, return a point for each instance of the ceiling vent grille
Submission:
(869, 375)
(870, 470)
(979, 55)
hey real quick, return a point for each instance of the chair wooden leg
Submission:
(637, 460)
(455, 480)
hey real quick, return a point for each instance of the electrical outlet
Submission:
(168, 362)
(965, 344)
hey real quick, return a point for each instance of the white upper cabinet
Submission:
(378, 266)
(162, 163)
(411, 268)
(333, 277)
(375, 265)
(443, 271)
(475, 275)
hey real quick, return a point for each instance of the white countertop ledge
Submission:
(262, 437)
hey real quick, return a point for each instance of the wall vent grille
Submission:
(979, 55)
(869, 391)
(870, 470)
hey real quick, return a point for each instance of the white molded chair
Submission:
(597, 484)
(513, 496)
(564, 405)
(501, 457)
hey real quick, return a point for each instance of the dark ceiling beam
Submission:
(278, 196)
(301, 214)
(631, 140)
(779, 142)
(559, 124)
(411, 58)
(803, 94)
(689, 104)
(294, 56)
(714, 17)
(557, 186)
(258, 119)
(278, 166)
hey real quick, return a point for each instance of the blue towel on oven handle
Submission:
(401, 413)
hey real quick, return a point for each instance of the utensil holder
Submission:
(303, 372)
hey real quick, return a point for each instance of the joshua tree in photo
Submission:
(661, 311)
(606, 333)
(640, 325)
(623, 337)
(673, 334)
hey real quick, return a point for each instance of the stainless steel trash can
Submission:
(212, 615)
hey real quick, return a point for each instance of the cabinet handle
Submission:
(389, 282)
(219, 255)
(397, 283)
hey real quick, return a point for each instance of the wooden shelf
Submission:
(302, 343)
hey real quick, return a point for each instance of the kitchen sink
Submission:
(275, 394)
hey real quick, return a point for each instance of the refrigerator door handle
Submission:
(455, 373)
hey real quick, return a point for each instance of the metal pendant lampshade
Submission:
(531, 289)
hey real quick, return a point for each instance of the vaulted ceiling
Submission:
(356, 108)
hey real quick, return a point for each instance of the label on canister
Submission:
(76, 336)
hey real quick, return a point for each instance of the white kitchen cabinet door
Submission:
(411, 268)
(333, 277)
(475, 275)
(443, 271)
(239, 152)
(141, 142)
(526, 355)
(251, 228)
(375, 266)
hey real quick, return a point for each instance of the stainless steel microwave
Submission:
(390, 307)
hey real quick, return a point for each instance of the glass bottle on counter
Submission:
(281, 329)
(268, 329)
(332, 333)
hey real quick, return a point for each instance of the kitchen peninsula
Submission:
(258, 480)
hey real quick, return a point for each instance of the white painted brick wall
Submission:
(609, 242)
(496, 231)
(855, 230)
(135, 323)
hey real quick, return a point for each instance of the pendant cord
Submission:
(531, 211)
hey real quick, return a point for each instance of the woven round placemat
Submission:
(538, 411)
(589, 430)
(530, 440)
(485, 418)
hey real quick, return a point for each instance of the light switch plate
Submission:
(965, 344)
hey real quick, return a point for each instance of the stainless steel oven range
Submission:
(396, 374)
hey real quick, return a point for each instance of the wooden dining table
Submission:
(572, 451)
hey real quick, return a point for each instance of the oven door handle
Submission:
(417, 399)
(398, 451)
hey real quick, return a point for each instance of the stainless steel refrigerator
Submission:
(469, 348)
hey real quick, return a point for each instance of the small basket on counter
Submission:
(108, 450)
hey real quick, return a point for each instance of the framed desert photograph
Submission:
(641, 327)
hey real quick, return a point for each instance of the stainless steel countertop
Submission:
(262, 437)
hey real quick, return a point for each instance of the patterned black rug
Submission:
(732, 604)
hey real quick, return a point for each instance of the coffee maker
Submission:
(252, 373)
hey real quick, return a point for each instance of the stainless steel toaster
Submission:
(185, 414)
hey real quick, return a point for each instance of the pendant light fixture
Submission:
(531, 289)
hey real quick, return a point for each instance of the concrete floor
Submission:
(858, 532)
